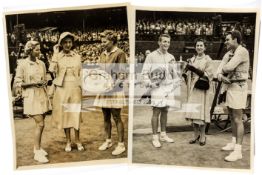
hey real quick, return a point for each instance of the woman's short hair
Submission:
(29, 46)
(109, 35)
(200, 40)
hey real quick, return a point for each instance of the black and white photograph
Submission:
(194, 75)
(68, 72)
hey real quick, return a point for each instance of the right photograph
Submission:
(193, 98)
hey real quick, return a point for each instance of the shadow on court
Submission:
(53, 140)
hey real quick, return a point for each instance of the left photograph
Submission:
(68, 75)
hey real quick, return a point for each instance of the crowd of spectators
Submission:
(52, 36)
(90, 53)
(88, 44)
(246, 29)
(174, 27)
(189, 27)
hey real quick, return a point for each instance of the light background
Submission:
(6, 142)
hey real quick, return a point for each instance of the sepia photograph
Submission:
(194, 75)
(130, 87)
(68, 72)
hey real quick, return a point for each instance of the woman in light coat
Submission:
(30, 80)
(66, 65)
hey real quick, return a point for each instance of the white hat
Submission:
(65, 34)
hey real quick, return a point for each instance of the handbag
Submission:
(222, 97)
(202, 83)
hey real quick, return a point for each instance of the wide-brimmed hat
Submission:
(65, 34)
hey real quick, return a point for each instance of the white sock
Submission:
(108, 140)
(234, 140)
(238, 147)
(155, 137)
(37, 149)
(121, 144)
(163, 133)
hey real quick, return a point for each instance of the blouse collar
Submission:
(112, 51)
(33, 62)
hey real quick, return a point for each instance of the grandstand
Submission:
(46, 27)
(185, 27)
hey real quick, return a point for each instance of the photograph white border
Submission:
(49, 165)
(256, 47)
(6, 151)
